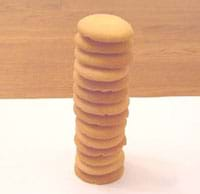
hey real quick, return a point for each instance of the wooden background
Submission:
(36, 45)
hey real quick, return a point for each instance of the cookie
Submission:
(111, 61)
(92, 46)
(88, 151)
(112, 120)
(99, 170)
(99, 143)
(105, 28)
(101, 86)
(100, 97)
(103, 179)
(101, 109)
(96, 74)
(100, 132)
(100, 160)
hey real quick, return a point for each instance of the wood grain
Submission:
(36, 45)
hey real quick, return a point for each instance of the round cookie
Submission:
(100, 132)
(112, 61)
(100, 180)
(92, 46)
(99, 170)
(101, 86)
(100, 161)
(101, 109)
(105, 28)
(100, 97)
(96, 74)
(88, 151)
(99, 143)
(112, 120)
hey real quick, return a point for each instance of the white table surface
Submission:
(162, 155)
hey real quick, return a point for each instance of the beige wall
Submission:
(36, 45)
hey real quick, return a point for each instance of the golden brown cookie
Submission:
(100, 132)
(99, 170)
(111, 61)
(101, 86)
(101, 109)
(105, 28)
(111, 120)
(88, 151)
(100, 97)
(99, 143)
(92, 46)
(100, 160)
(99, 180)
(96, 74)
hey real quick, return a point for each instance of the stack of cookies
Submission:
(102, 58)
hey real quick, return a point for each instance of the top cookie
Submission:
(105, 28)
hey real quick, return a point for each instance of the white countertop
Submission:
(162, 154)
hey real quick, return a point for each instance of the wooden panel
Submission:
(36, 45)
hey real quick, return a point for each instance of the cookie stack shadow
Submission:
(101, 99)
